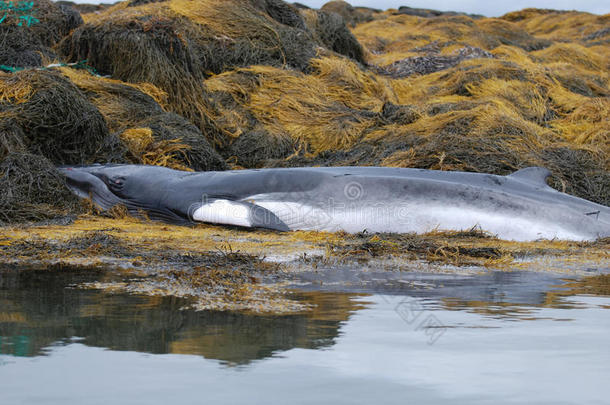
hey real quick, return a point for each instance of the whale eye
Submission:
(116, 182)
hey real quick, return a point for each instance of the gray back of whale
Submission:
(519, 206)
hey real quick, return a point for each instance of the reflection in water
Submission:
(513, 295)
(378, 351)
(593, 285)
(37, 310)
(501, 307)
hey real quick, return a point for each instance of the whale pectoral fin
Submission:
(239, 213)
(535, 176)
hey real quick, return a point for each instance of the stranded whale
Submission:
(520, 206)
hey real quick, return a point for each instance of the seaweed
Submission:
(20, 47)
(428, 13)
(329, 30)
(33, 190)
(258, 148)
(175, 45)
(195, 153)
(28, 40)
(452, 248)
(282, 12)
(56, 119)
(432, 63)
(169, 138)
(558, 25)
(351, 15)
(85, 8)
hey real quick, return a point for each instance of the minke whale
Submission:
(519, 206)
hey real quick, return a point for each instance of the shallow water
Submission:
(496, 337)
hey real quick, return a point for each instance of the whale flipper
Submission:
(536, 176)
(239, 213)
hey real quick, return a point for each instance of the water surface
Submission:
(496, 337)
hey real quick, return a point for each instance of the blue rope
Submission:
(21, 7)
(78, 65)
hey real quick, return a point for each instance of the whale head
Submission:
(134, 186)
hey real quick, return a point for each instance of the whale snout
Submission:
(87, 185)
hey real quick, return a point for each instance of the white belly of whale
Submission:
(418, 218)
